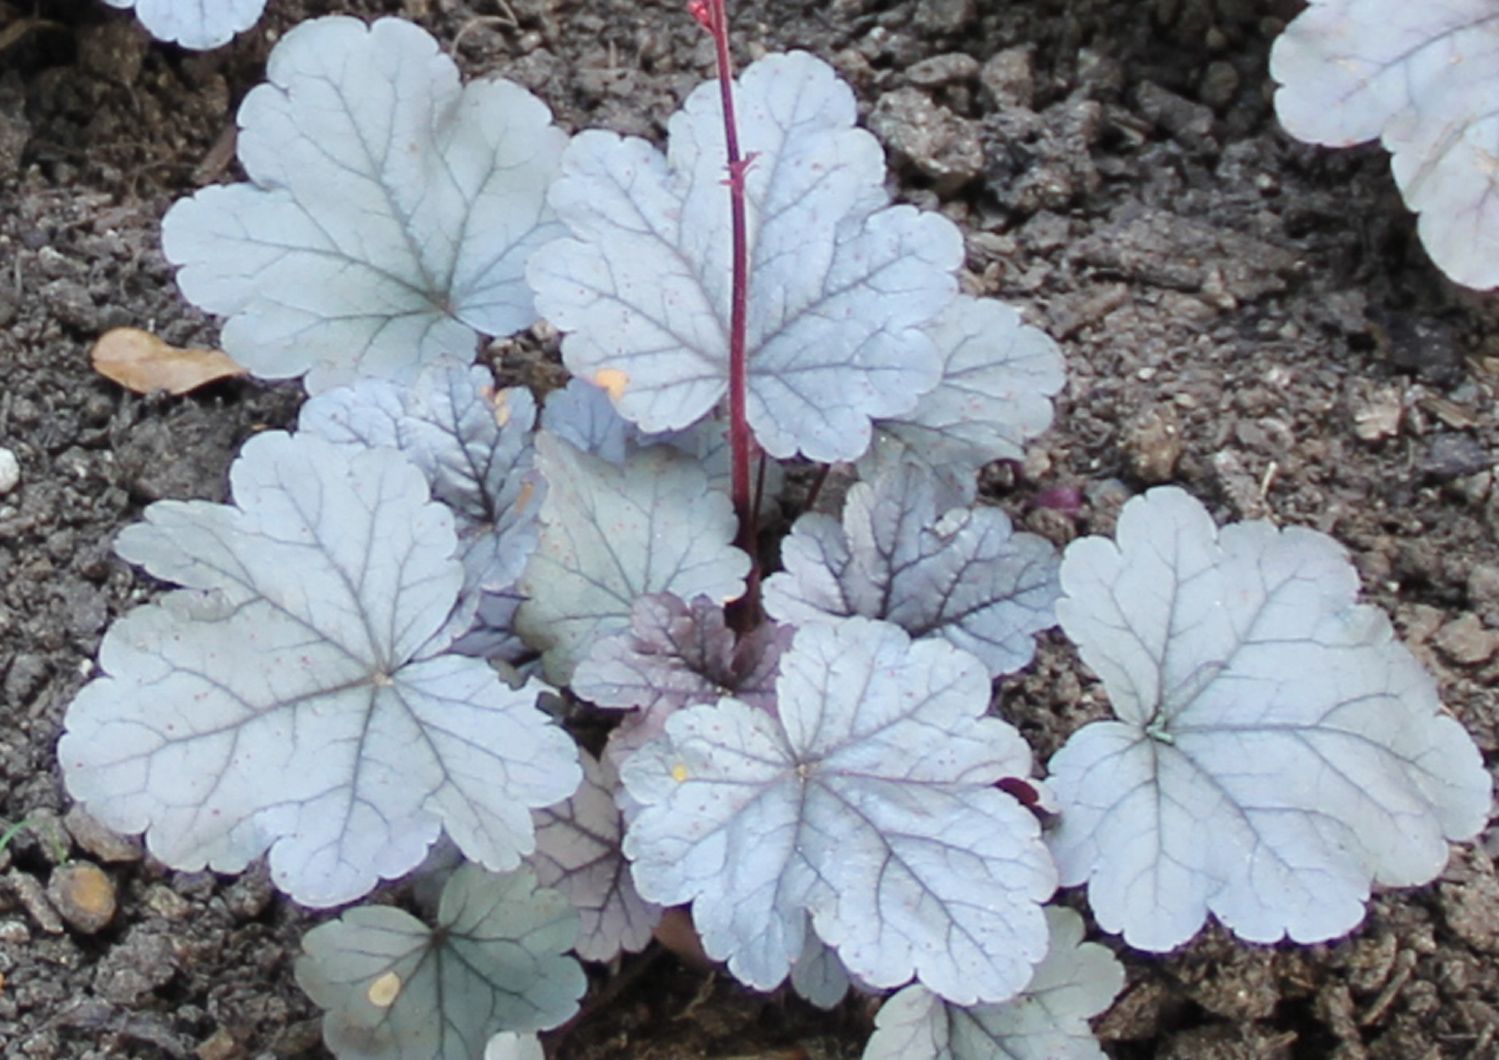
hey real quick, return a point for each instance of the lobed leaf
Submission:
(841, 285)
(818, 975)
(389, 214)
(866, 801)
(289, 699)
(963, 575)
(998, 379)
(509, 1046)
(583, 415)
(471, 441)
(612, 534)
(1047, 1021)
(577, 852)
(1421, 78)
(194, 24)
(398, 990)
(1276, 749)
(675, 655)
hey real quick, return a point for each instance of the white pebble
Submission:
(10, 471)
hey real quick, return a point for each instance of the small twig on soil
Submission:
(507, 20)
(1405, 963)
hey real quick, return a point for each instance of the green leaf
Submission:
(398, 990)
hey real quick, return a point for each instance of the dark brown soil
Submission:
(1250, 318)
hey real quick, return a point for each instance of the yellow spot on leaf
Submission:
(679, 772)
(523, 498)
(501, 403)
(384, 990)
(612, 380)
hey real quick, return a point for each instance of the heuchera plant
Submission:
(1421, 79)
(193, 23)
(376, 643)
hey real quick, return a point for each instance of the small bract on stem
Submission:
(713, 16)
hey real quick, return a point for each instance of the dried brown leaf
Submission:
(142, 362)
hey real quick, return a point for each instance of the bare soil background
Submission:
(1247, 317)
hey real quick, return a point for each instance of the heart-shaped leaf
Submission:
(290, 699)
(1276, 749)
(962, 575)
(396, 989)
(866, 801)
(389, 215)
(841, 285)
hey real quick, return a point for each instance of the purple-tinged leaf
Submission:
(962, 575)
(583, 415)
(577, 852)
(676, 655)
(473, 443)
(489, 628)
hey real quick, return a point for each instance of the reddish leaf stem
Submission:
(713, 16)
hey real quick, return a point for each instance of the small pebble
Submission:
(10, 471)
(1466, 640)
(220, 1046)
(1008, 80)
(34, 900)
(1153, 444)
(1220, 83)
(166, 903)
(944, 16)
(14, 932)
(1468, 910)
(945, 69)
(941, 145)
(249, 896)
(99, 841)
(84, 894)
(1378, 413)
(1451, 455)
(1483, 591)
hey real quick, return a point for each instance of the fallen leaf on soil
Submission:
(141, 362)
